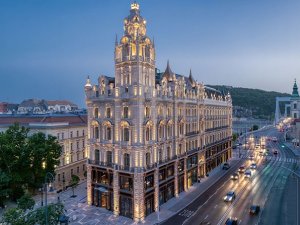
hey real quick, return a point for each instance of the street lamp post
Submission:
(45, 189)
(41, 190)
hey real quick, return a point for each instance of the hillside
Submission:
(260, 102)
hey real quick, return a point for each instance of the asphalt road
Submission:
(267, 187)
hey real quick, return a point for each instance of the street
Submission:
(271, 186)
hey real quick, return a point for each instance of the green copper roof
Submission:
(295, 93)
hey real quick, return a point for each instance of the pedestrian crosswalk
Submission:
(277, 158)
(186, 213)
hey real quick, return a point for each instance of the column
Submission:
(116, 196)
(89, 185)
(185, 175)
(156, 189)
(138, 197)
(176, 178)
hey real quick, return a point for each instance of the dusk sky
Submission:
(48, 47)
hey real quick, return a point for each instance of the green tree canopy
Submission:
(22, 158)
(26, 202)
(74, 183)
(17, 216)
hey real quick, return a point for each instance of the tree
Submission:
(38, 216)
(22, 158)
(14, 216)
(255, 127)
(14, 158)
(4, 189)
(26, 202)
(17, 216)
(74, 183)
(235, 136)
(44, 153)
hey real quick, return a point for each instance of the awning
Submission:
(101, 189)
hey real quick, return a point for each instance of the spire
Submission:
(137, 45)
(88, 82)
(116, 41)
(191, 78)
(134, 6)
(295, 93)
(153, 43)
(168, 72)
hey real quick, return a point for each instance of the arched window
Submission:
(160, 155)
(125, 134)
(148, 159)
(108, 113)
(169, 130)
(125, 112)
(96, 112)
(96, 133)
(125, 131)
(126, 160)
(148, 133)
(109, 158)
(97, 156)
(147, 112)
(108, 133)
(168, 153)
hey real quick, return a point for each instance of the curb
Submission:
(196, 198)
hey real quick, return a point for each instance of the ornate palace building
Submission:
(151, 135)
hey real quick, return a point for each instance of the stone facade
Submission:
(150, 135)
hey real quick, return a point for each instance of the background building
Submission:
(38, 106)
(71, 132)
(151, 135)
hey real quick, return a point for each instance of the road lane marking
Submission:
(206, 217)
(186, 213)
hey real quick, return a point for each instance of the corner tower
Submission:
(134, 56)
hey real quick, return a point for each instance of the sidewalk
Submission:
(81, 213)
(295, 150)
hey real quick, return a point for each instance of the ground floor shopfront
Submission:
(159, 185)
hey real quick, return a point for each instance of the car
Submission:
(248, 173)
(226, 166)
(231, 221)
(251, 156)
(253, 166)
(234, 176)
(254, 209)
(275, 152)
(241, 169)
(229, 197)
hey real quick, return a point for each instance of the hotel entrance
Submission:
(102, 198)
